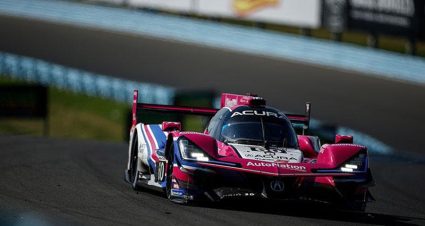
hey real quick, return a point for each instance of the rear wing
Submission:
(167, 108)
(298, 121)
(301, 121)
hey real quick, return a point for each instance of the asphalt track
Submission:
(60, 182)
(80, 182)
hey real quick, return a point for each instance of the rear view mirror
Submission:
(309, 145)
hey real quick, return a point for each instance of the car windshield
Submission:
(259, 130)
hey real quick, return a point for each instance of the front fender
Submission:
(203, 141)
(334, 155)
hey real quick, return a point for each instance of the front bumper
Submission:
(201, 183)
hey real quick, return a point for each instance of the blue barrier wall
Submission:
(248, 40)
(39, 71)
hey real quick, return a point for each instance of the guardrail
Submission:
(43, 72)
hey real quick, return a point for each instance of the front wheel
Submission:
(358, 204)
(171, 181)
(169, 177)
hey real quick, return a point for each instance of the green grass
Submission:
(73, 115)
(79, 116)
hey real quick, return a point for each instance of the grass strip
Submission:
(73, 115)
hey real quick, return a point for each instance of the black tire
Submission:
(169, 177)
(352, 206)
(358, 205)
(133, 172)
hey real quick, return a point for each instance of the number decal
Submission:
(160, 171)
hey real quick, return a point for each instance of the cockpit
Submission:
(256, 126)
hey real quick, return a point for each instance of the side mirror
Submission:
(171, 126)
(343, 139)
(309, 145)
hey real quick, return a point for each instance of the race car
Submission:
(248, 150)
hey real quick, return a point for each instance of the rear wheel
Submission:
(133, 172)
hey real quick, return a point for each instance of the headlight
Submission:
(190, 151)
(355, 164)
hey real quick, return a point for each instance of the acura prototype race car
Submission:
(248, 150)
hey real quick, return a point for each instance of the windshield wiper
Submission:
(279, 143)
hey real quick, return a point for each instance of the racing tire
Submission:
(169, 178)
(352, 206)
(133, 172)
(357, 205)
(170, 159)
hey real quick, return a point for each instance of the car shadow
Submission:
(302, 209)
(305, 209)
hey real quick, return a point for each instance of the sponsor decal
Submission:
(177, 192)
(233, 195)
(142, 148)
(230, 102)
(180, 193)
(277, 185)
(272, 150)
(272, 154)
(269, 156)
(160, 171)
(258, 113)
(401, 7)
(255, 149)
(279, 165)
(245, 7)
(192, 133)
